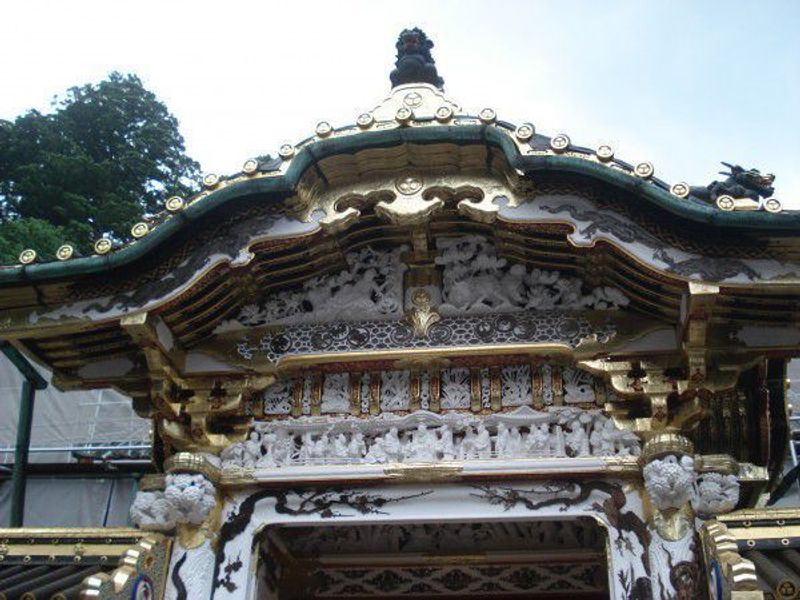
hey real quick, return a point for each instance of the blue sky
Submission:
(682, 83)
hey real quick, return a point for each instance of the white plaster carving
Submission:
(371, 287)
(475, 281)
(192, 495)
(336, 393)
(395, 393)
(715, 494)
(186, 498)
(278, 398)
(516, 385)
(365, 393)
(578, 388)
(151, 511)
(423, 436)
(669, 481)
(455, 392)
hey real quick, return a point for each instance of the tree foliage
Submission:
(106, 155)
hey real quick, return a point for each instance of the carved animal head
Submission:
(751, 178)
(415, 63)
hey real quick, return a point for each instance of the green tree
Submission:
(107, 155)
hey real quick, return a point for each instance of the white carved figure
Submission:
(669, 481)
(267, 459)
(191, 495)
(422, 447)
(153, 512)
(483, 442)
(502, 440)
(475, 280)
(392, 445)
(715, 494)
(252, 450)
(357, 447)
(515, 447)
(446, 446)
(537, 443)
(340, 447)
(467, 450)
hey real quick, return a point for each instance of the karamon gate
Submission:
(433, 354)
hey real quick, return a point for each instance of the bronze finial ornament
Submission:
(414, 62)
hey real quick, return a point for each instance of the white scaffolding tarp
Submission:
(66, 420)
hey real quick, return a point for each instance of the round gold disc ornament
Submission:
(27, 256)
(773, 205)
(65, 252)
(560, 142)
(323, 129)
(524, 132)
(681, 189)
(604, 153)
(644, 170)
(365, 120)
(726, 203)
(487, 116)
(444, 114)
(250, 166)
(140, 230)
(403, 115)
(102, 246)
(174, 204)
(286, 151)
(210, 180)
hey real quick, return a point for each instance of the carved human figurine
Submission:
(515, 448)
(576, 439)
(483, 442)
(538, 441)
(422, 446)
(501, 440)
(467, 450)
(340, 447)
(558, 446)
(267, 459)
(445, 446)
(319, 449)
(306, 451)
(603, 439)
(252, 450)
(392, 445)
(377, 451)
(357, 448)
(283, 448)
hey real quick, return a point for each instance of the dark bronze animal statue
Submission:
(740, 183)
(414, 61)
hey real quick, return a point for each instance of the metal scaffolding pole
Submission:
(32, 381)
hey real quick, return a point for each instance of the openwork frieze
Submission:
(548, 327)
(453, 388)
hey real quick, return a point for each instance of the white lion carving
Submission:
(715, 494)
(187, 498)
(669, 481)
